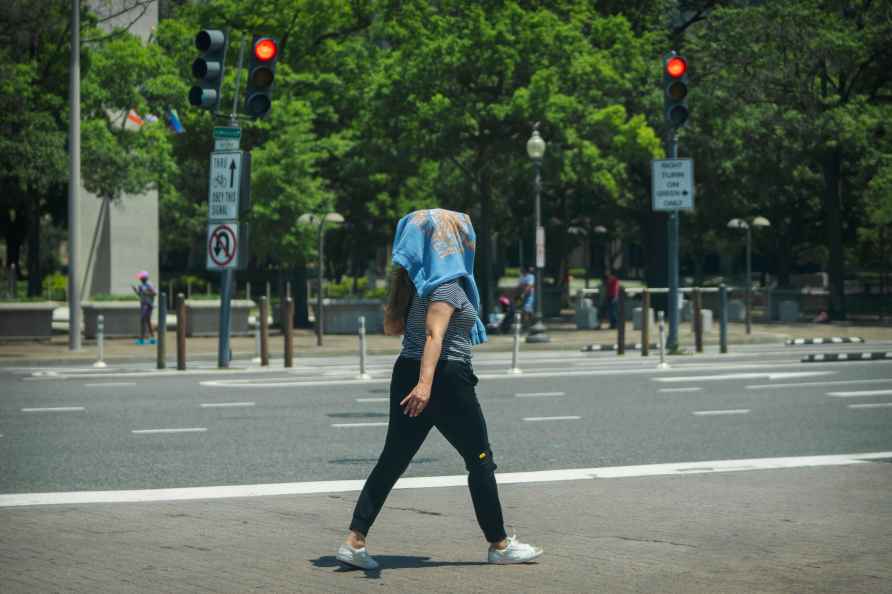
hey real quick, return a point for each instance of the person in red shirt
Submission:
(612, 287)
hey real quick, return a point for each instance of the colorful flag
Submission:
(173, 120)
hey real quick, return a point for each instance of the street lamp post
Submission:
(536, 150)
(742, 224)
(331, 217)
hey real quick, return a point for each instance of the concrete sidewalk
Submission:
(803, 530)
(564, 336)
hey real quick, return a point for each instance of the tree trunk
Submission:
(35, 276)
(833, 230)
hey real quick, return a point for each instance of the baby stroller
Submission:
(500, 322)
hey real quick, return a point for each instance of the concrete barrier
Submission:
(27, 320)
(341, 315)
(121, 318)
(636, 318)
(203, 317)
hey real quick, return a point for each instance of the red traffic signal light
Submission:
(265, 49)
(676, 67)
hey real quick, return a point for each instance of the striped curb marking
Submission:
(612, 347)
(827, 340)
(829, 357)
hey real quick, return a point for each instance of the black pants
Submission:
(454, 410)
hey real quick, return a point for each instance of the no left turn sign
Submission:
(222, 246)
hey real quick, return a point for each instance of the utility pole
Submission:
(74, 179)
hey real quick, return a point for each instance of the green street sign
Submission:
(221, 132)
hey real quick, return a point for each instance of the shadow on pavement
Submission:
(392, 562)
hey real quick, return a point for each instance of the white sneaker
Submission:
(356, 557)
(515, 552)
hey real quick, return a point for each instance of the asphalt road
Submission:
(129, 429)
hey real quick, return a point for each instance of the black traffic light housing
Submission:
(208, 68)
(261, 75)
(675, 89)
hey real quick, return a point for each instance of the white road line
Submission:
(372, 399)
(370, 424)
(571, 418)
(179, 430)
(429, 482)
(819, 384)
(872, 405)
(109, 384)
(732, 376)
(225, 404)
(55, 409)
(860, 394)
(729, 411)
(539, 394)
(692, 389)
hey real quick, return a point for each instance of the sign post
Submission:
(672, 183)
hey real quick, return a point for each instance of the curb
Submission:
(829, 357)
(826, 340)
(612, 347)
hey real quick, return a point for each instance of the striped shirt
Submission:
(457, 340)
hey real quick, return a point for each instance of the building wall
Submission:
(119, 239)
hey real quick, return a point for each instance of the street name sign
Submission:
(222, 246)
(224, 185)
(226, 139)
(673, 184)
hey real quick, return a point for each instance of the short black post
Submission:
(645, 323)
(264, 332)
(181, 332)
(162, 331)
(621, 323)
(698, 320)
(289, 332)
(723, 319)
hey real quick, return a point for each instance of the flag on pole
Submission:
(173, 120)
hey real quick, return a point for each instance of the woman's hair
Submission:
(401, 291)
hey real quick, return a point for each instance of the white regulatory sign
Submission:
(224, 184)
(222, 246)
(673, 184)
(540, 247)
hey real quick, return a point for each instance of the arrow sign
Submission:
(673, 184)
(224, 185)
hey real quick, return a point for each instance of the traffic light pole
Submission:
(227, 276)
(672, 339)
(74, 182)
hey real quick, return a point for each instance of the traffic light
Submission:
(675, 89)
(208, 68)
(261, 74)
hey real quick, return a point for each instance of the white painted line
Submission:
(872, 405)
(109, 384)
(733, 376)
(372, 399)
(692, 389)
(55, 409)
(181, 430)
(428, 482)
(225, 404)
(572, 418)
(371, 424)
(540, 394)
(729, 411)
(819, 384)
(860, 394)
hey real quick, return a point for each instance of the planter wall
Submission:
(341, 316)
(203, 317)
(27, 320)
(119, 318)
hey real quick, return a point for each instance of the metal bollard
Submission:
(264, 332)
(698, 320)
(662, 364)
(645, 323)
(161, 353)
(100, 340)
(288, 331)
(181, 332)
(516, 350)
(621, 324)
(362, 372)
(723, 319)
(256, 358)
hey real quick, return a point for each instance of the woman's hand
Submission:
(417, 400)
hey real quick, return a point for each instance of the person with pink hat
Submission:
(146, 292)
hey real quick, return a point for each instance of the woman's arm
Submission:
(438, 315)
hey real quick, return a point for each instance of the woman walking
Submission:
(434, 303)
